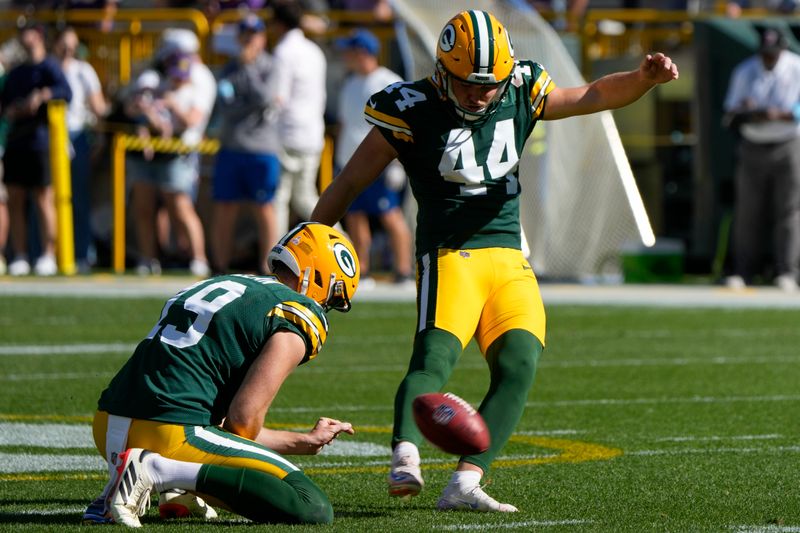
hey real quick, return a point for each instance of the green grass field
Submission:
(641, 419)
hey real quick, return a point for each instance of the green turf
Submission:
(693, 417)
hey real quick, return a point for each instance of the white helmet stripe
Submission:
(483, 41)
(294, 231)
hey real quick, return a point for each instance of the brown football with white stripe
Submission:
(451, 424)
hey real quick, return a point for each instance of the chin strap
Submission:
(304, 281)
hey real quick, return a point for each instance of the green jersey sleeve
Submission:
(304, 319)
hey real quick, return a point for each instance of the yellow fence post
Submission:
(118, 200)
(62, 185)
(326, 164)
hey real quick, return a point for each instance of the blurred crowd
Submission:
(268, 106)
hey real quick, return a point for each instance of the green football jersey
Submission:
(194, 359)
(465, 177)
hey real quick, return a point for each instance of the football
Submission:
(450, 423)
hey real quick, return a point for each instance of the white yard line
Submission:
(713, 451)
(56, 511)
(65, 349)
(770, 436)
(56, 375)
(11, 463)
(513, 525)
(680, 296)
(572, 403)
(125, 348)
(766, 529)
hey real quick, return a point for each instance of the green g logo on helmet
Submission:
(344, 259)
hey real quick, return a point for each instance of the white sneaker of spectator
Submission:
(149, 268)
(19, 267)
(46, 266)
(735, 282)
(199, 268)
(786, 283)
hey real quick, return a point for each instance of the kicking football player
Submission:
(460, 134)
(186, 412)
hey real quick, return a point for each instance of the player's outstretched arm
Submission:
(611, 91)
(245, 417)
(365, 165)
(311, 443)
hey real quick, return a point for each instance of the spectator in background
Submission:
(3, 220)
(3, 191)
(86, 105)
(108, 7)
(212, 8)
(247, 168)
(27, 90)
(763, 105)
(172, 176)
(381, 10)
(300, 94)
(184, 41)
(146, 110)
(734, 8)
(564, 15)
(382, 198)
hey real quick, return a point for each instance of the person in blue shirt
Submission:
(23, 102)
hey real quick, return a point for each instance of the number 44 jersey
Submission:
(464, 176)
(194, 359)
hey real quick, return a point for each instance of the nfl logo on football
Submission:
(443, 415)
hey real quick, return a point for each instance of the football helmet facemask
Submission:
(324, 261)
(475, 48)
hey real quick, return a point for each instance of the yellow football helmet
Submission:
(324, 261)
(475, 48)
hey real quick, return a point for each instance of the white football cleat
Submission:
(177, 503)
(130, 497)
(473, 498)
(405, 477)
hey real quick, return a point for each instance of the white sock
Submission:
(172, 474)
(466, 478)
(406, 448)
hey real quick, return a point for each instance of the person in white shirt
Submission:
(87, 104)
(300, 93)
(170, 175)
(382, 199)
(185, 42)
(763, 106)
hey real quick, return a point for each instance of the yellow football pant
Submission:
(481, 293)
(195, 444)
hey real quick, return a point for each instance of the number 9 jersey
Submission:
(464, 176)
(194, 359)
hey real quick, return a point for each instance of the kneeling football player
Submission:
(184, 417)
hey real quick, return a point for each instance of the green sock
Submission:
(262, 497)
(435, 353)
(512, 362)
